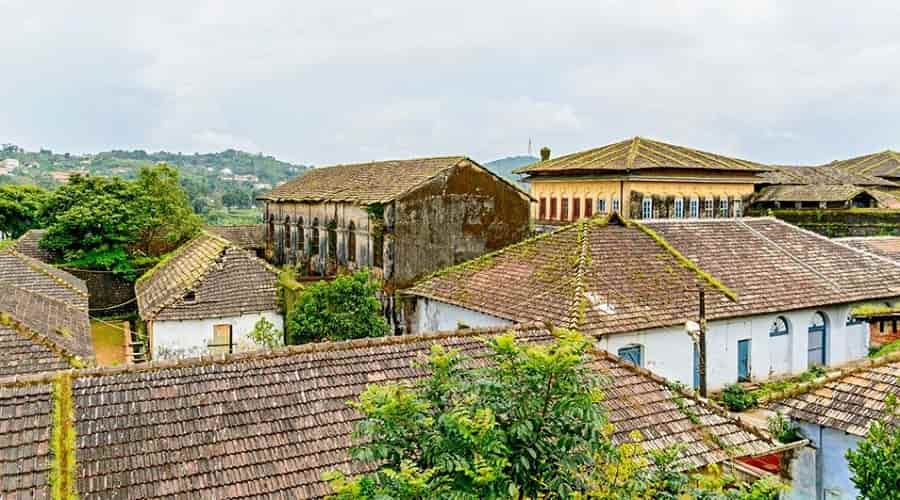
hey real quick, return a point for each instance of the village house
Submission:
(44, 323)
(642, 179)
(269, 424)
(883, 316)
(206, 298)
(404, 218)
(778, 299)
(835, 414)
(822, 187)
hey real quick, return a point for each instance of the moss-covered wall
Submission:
(836, 223)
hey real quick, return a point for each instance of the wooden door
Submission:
(221, 343)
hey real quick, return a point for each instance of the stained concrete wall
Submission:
(832, 471)
(188, 338)
(433, 316)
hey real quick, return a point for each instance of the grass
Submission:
(109, 343)
(767, 389)
(886, 349)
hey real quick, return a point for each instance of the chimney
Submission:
(545, 153)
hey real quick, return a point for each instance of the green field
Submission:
(109, 342)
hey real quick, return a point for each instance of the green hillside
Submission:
(504, 167)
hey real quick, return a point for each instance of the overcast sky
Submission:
(339, 81)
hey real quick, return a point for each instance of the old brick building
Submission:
(404, 218)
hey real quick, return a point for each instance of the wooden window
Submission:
(221, 343)
(588, 207)
(601, 205)
(287, 238)
(616, 205)
(709, 208)
(647, 208)
(301, 241)
(314, 238)
(738, 207)
(351, 242)
(542, 209)
(694, 208)
(779, 327)
(723, 207)
(564, 209)
(743, 361)
(552, 208)
(633, 354)
(576, 208)
(679, 208)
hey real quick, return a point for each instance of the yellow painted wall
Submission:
(590, 188)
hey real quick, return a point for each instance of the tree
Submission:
(20, 208)
(166, 216)
(526, 424)
(265, 334)
(875, 463)
(345, 308)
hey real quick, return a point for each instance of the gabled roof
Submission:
(850, 401)
(246, 236)
(885, 246)
(225, 281)
(810, 193)
(611, 278)
(362, 183)
(31, 274)
(883, 164)
(637, 154)
(824, 175)
(271, 423)
(27, 244)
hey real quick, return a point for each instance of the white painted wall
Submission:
(832, 472)
(178, 339)
(434, 316)
(669, 351)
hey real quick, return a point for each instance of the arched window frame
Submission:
(679, 208)
(314, 238)
(723, 207)
(616, 204)
(647, 208)
(694, 208)
(780, 327)
(601, 205)
(301, 241)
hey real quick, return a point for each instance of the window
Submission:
(738, 207)
(576, 208)
(588, 207)
(314, 238)
(601, 205)
(779, 327)
(743, 361)
(817, 340)
(723, 207)
(190, 297)
(542, 209)
(679, 208)
(647, 208)
(552, 208)
(564, 209)
(301, 241)
(616, 205)
(351, 242)
(694, 208)
(287, 239)
(632, 354)
(708, 209)
(221, 341)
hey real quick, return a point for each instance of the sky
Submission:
(789, 82)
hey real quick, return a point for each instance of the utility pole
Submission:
(701, 340)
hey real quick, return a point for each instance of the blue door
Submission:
(696, 366)
(743, 360)
(817, 339)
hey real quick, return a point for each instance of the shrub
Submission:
(736, 398)
(265, 334)
(346, 308)
(783, 429)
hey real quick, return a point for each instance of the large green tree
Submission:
(527, 424)
(20, 208)
(345, 308)
(875, 463)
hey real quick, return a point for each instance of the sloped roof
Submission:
(850, 402)
(885, 246)
(246, 236)
(362, 183)
(636, 154)
(25, 416)
(39, 333)
(226, 281)
(31, 274)
(883, 164)
(611, 278)
(810, 192)
(27, 244)
(823, 175)
(259, 424)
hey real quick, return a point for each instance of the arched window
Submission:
(723, 207)
(647, 208)
(709, 209)
(351, 242)
(694, 209)
(552, 208)
(817, 340)
(601, 205)
(616, 205)
(679, 208)
(332, 240)
(564, 209)
(738, 207)
(779, 327)
(542, 209)
(301, 241)
(314, 238)
(633, 354)
(287, 238)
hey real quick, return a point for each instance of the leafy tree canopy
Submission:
(525, 425)
(875, 463)
(345, 308)
(20, 208)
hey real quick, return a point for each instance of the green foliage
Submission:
(886, 349)
(736, 398)
(783, 429)
(345, 308)
(768, 390)
(875, 463)
(20, 208)
(265, 334)
(62, 439)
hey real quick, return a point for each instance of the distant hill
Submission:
(504, 167)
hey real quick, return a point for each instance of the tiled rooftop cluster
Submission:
(828, 175)
(885, 246)
(246, 236)
(261, 424)
(883, 164)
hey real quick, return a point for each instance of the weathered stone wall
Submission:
(458, 216)
(107, 292)
(836, 223)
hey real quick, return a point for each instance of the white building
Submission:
(206, 299)
(778, 298)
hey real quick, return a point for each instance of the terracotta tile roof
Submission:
(24, 446)
(225, 280)
(39, 333)
(809, 192)
(246, 236)
(883, 164)
(25, 272)
(823, 175)
(636, 154)
(885, 246)
(27, 244)
(363, 183)
(610, 278)
(850, 401)
(270, 424)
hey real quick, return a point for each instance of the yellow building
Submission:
(642, 179)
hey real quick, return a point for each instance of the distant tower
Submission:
(529, 146)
